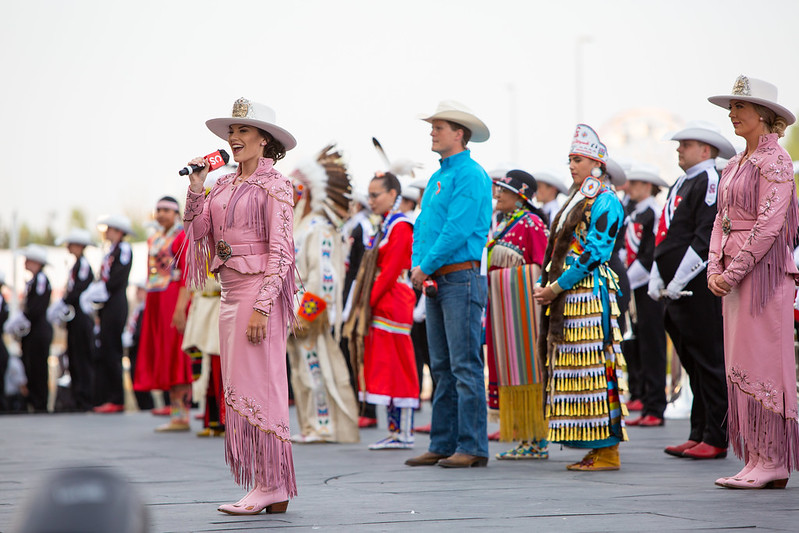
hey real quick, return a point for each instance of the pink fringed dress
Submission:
(255, 219)
(751, 248)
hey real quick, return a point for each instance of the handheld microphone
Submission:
(215, 160)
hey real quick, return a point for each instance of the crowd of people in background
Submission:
(542, 305)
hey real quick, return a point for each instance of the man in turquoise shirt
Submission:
(448, 242)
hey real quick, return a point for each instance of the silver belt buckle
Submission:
(726, 225)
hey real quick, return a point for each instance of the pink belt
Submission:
(728, 226)
(225, 251)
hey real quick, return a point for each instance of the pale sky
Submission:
(103, 101)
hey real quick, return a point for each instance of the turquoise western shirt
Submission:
(456, 215)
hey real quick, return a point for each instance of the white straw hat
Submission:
(460, 114)
(755, 91)
(708, 133)
(76, 236)
(252, 114)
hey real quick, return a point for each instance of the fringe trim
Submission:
(752, 426)
(257, 456)
(770, 271)
(521, 413)
(198, 258)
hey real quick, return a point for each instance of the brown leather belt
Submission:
(456, 267)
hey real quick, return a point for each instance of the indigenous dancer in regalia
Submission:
(752, 268)
(379, 326)
(242, 232)
(326, 406)
(579, 329)
(161, 363)
(515, 253)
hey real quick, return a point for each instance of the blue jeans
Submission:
(453, 335)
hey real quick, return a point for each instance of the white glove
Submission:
(419, 312)
(127, 338)
(655, 283)
(674, 290)
(59, 313)
(96, 292)
(17, 324)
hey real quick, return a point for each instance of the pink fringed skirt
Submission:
(257, 437)
(761, 373)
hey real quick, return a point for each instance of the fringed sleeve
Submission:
(198, 247)
(766, 188)
(279, 284)
(714, 265)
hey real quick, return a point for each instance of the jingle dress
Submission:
(515, 376)
(161, 362)
(250, 228)
(579, 331)
(751, 248)
(389, 360)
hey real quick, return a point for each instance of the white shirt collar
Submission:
(699, 168)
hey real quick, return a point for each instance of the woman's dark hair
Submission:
(274, 149)
(390, 182)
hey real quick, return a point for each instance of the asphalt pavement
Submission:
(182, 479)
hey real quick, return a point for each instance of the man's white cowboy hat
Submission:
(252, 114)
(459, 113)
(618, 176)
(35, 252)
(120, 222)
(647, 173)
(699, 130)
(755, 91)
(76, 236)
(550, 177)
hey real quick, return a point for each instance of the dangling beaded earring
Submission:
(596, 172)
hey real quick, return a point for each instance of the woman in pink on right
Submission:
(751, 266)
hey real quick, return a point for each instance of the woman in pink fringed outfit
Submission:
(751, 266)
(242, 231)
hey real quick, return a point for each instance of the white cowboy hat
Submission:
(755, 91)
(419, 183)
(76, 236)
(411, 193)
(647, 173)
(252, 114)
(706, 132)
(120, 222)
(618, 176)
(550, 177)
(35, 252)
(499, 173)
(460, 114)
